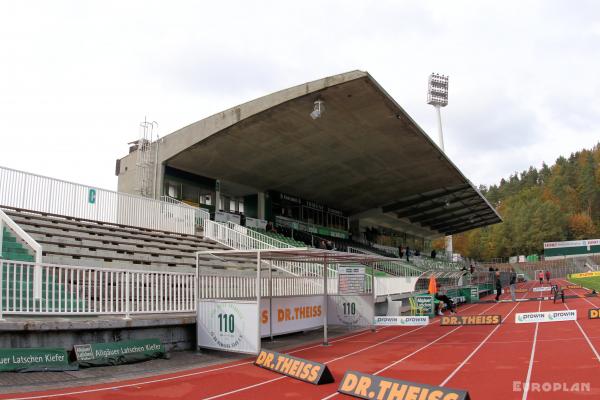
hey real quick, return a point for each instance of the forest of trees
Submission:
(560, 202)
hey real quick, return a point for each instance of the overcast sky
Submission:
(77, 77)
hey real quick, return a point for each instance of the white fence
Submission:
(39, 193)
(69, 290)
(200, 213)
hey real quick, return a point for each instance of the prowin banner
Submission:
(402, 320)
(542, 289)
(548, 316)
(114, 353)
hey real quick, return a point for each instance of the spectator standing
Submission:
(541, 277)
(498, 286)
(548, 276)
(407, 253)
(513, 282)
(433, 253)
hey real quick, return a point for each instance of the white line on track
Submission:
(414, 352)
(582, 331)
(526, 386)
(466, 360)
(186, 375)
(170, 378)
(326, 362)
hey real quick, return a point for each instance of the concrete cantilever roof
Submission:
(365, 153)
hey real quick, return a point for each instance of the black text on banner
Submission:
(370, 387)
(298, 368)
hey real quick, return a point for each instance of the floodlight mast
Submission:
(437, 96)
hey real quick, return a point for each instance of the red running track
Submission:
(491, 362)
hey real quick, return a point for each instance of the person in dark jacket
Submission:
(513, 282)
(498, 286)
(433, 253)
(407, 253)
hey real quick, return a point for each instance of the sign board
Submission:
(256, 223)
(426, 303)
(365, 386)
(222, 216)
(586, 274)
(572, 287)
(594, 313)
(351, 280)
(474, 293)
(230, 325)
(455, 320)
(294, 367)
(351, 310)
(572, 243)
(114, 353)
(542, 289)
(35, 359)
(417, 320)
(92, 196)
(291, 314)
(547, 316)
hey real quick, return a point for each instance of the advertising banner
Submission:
(294, 367)
(365, 386)
(594, 313)
(455, 320)
(35, 359)
(417, 320)
(542, 289)
(586, 274)
(291, 314)
(230, 325)
(547, 316)
(351, 310)
(425, 302)
(114, 353)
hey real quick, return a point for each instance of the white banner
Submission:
(228, 325)
(351, 310)
(222, 216)
(291, 314)
(256, 223)
(548, 316)
(542, 289)
(416, 320)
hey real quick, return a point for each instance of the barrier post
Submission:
(258, 286)
(325, 278)
(127, 295)
(270, 299)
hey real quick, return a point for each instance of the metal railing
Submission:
(237, 239)
(5, 220)
(387, 249)
(397, 268)
(244, 287)
(200, 213)
(32, 192)
(71, 290)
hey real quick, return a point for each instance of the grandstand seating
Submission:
(13, 249)
(280, 237)
(71, 241)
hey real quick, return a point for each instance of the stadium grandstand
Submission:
(303, 201)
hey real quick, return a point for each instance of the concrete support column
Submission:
(260, 205)
(218, 204)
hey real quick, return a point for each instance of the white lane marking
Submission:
(171, 377)
(466, 360)
(582, 331)
(414, 352)
(528, 380)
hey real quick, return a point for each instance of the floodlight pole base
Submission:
(325, 344)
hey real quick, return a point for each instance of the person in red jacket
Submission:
(541, 277)
(548, 276)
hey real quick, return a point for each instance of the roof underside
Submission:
(364, 153)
